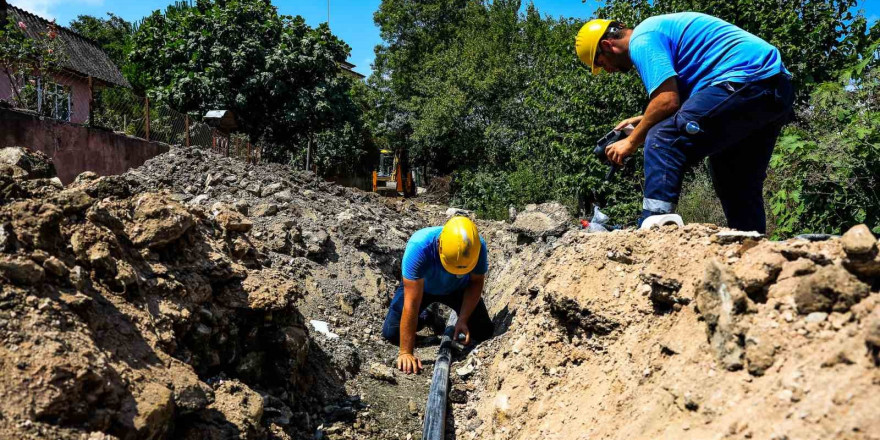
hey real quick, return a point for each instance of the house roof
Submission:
(349, 69)
(83, 55)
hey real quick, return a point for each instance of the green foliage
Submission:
(498, 98)
(825, 172)
(113, 34)
(27, 62)
(278, 75)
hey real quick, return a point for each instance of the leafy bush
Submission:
(826, 169)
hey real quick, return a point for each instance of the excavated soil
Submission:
(200, 297)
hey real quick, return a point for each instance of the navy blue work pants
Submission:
(479, 324)
(736, 126)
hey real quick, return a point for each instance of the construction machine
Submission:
(393, 167)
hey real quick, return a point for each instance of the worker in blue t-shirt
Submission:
(715, 90)
(445, 264)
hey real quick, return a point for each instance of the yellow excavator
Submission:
(392, 169)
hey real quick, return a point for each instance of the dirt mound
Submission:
(201, 297)
(168, 303)
(678, 333)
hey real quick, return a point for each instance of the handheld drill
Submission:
(610, 138)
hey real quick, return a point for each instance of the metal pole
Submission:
(147, 115)
(186, 130)
(435, 410)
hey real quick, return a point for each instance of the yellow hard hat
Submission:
(587, 41)
(459, 245)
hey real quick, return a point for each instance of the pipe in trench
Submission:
(435, 411)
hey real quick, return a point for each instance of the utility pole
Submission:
(328, 13)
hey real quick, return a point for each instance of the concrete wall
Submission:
(75, 148)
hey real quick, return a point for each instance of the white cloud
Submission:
(46, 8)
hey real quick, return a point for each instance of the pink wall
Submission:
(5, 87)
(79, 94)
(75, 148)
(79, 101)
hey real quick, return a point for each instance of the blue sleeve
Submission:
(415, 260)
(483, 263)
(651, 53)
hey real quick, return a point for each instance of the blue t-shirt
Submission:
(701, 50)
(421, 259)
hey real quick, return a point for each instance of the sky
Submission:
(350, 20)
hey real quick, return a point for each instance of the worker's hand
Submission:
(408, 363)
(633, 120)
(461, 327)
(619, 150)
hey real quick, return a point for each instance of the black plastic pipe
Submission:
(435, 411)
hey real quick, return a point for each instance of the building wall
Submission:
(5, 87)
(79, 99)
(75, 148)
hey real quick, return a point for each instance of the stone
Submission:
(232, 221)
(816, 317)
(413, 407)
(55, 267)
(270, 189)
(36, 164)
(198, 200)
(544, 220)
(758, 268)
(348, 302)
(796, 268)
(213, 179)
(452, 212)
(72, 201)
(859, 241)
(729, 237)
(831, 288)
(284, 196)
(381, 372)
(264, 210)
(155, 407)
(720, 300)
(760, 352)
(465, 371)
(190, 394)
(663, 289)
(254, 188)
(21, 270)
(158, 221)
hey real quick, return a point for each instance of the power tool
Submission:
(610, 138)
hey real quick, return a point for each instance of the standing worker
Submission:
(715, 90)
(445, 264)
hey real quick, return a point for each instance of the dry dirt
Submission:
(176, 301)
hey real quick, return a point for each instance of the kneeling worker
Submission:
(445, 264)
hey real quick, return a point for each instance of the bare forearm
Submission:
(408, 326)
(409, 319)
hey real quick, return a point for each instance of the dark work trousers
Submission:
(736, 126)
(479, 324)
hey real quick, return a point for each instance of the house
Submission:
(348, 69)
(85, 67)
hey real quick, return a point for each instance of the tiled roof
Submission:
(83, 55)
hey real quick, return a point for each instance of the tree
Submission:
(497, 97)
(113, 34)
(278, 75)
